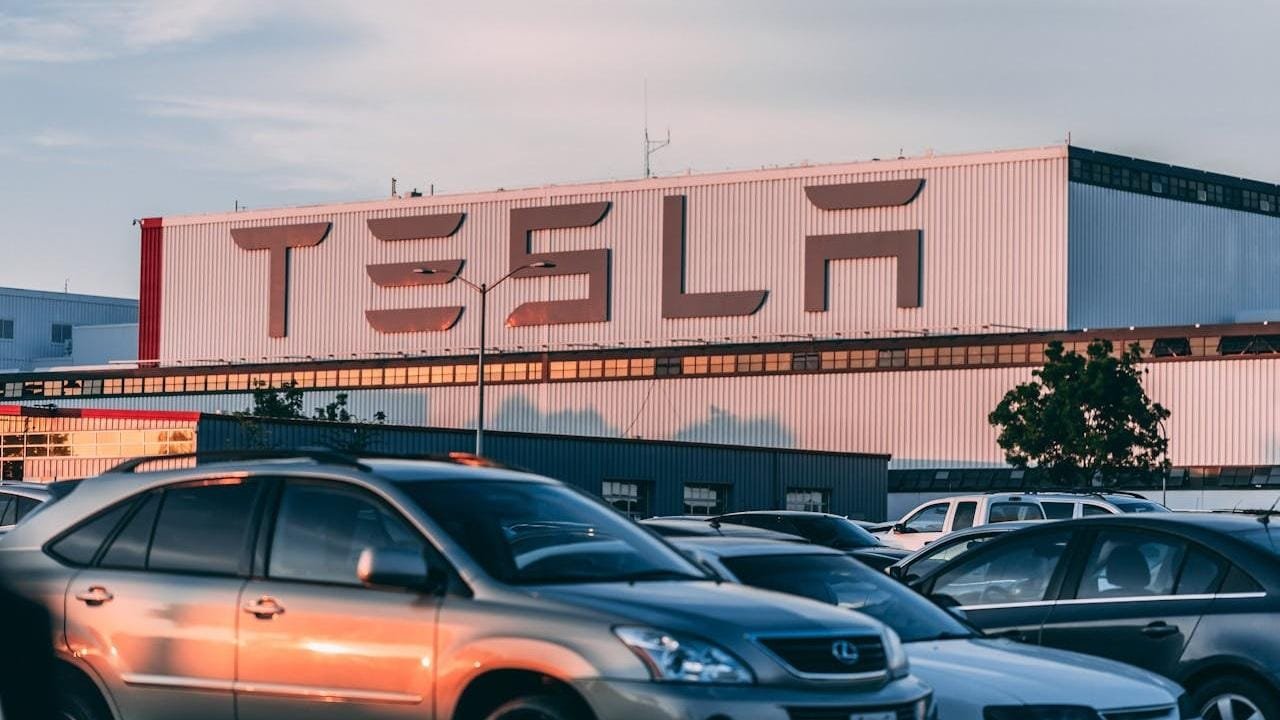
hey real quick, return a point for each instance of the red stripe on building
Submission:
(101, 413)
(149, 292)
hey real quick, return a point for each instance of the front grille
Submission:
(1160, 713)
(903, 712)
(818, 655)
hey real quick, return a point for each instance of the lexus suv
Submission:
(324, 586)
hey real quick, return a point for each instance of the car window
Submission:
(322, 528)
(203, 527)
(1090, 510)
(841, 580)
(767, 522)
(1138, 505)
(965, 514)
(932, 518)
(530, 533)
(1058, 510)
(1125, 563)
(25, 506)
(1019, 571)
(937, 557)
(8, 510)
(79, 546)
(128, 551)
(835, 532)
(1201, 572)
(1000, 512)
(1238, 581)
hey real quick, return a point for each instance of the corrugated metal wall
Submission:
(34, 312)
(1224, 411)
(759, 477)
(994, 229)
(1148, 261)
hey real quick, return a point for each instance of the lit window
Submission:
(695, 365)
(642, 367)
(441, 374)
(371, 376)
(777, 362)
(112, 386)
(348, 378)
(394, 376)
(152, 384)
(327, 378)
(809, 500)
(132, 386)
(724, 363)
(195, 383)
(750, 363)
(591, 368)
(564, 370)
(215, 383)
(464, 373)
(614, 368)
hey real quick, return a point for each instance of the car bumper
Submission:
(624, 700)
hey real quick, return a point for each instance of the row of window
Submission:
(1175, 183)
(59, 332)
(1005, 479)
(693, 363)
(634, 498)
(97, 444)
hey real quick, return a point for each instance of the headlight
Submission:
(895, 655)
(1039, 712)
(674, 659)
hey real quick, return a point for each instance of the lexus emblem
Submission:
(845, 652)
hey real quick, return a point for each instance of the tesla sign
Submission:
(277, 243)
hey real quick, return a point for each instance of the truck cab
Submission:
(935, 518)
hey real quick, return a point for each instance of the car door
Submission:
(922, 527)
(314, 642)
(1007, 585)
(1138, 598)
(155, 614)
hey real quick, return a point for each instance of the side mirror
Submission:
(899, 527)
(392, 567)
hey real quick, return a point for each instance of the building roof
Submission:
(66, 296)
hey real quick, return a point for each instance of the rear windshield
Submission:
(833, 532)
(529, 533)
(1135, 505)
(841, 580)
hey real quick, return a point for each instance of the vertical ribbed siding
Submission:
(1147, 261)
(34, 312)
(994, 238)
(149, 291)
(758, 477)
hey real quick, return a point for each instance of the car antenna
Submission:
(1266, 518)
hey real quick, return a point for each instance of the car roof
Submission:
(35, 491)
(730, 547)
(789, 513)
(703, 528)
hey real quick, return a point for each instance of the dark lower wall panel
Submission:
(758, 478)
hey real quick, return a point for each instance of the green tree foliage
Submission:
(1083, 417)
(285, 403)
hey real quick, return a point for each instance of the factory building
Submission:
(876, 307)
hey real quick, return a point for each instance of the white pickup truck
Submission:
(935, 518)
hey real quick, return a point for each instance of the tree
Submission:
(285, 403)
(1083, 418)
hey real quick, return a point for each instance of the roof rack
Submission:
(320, 455)
(1095, 492)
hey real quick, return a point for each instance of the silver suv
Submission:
(323, 586)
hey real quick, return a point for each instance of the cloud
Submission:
(81, 31)
(57, 139)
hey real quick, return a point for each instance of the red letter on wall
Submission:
(277, 241)
(904, 245)
(592, 263)
(391, 275)
(676, 303)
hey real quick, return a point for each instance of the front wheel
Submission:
(537, 707)
(1233, 698)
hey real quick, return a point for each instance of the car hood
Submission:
(708, 608)
(968, 674)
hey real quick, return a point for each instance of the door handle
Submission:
(94, 596)
(264, 608)
(1160, 629)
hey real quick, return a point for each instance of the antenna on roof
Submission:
(651, 146)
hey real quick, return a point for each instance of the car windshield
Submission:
(1137, 506)
(529, 533)
(841, 580)
(834, 532)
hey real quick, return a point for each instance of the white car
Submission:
(973, 677)
(935, 518)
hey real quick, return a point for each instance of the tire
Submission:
(538, 707)
(1235, 698)
(76, 702)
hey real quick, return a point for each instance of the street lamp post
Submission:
(483, 289)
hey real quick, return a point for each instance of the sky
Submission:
(111, 111)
